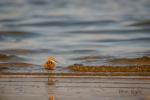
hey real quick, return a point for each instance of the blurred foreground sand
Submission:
(75, 88)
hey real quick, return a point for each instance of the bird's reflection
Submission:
(51, 77)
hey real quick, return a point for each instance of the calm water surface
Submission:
(32, 30)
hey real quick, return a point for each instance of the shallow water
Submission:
(32, 30)
(83, 88)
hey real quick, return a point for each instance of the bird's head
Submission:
(52, 59)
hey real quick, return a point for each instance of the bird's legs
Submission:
(51, 77)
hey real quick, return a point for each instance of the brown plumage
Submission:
(50, 64)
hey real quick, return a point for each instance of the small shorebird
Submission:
(50, 64)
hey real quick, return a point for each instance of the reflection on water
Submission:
(51, 77)
(32, 30)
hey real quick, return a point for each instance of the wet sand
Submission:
(37, 87)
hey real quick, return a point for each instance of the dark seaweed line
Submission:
(80, 82)
(103, 87)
